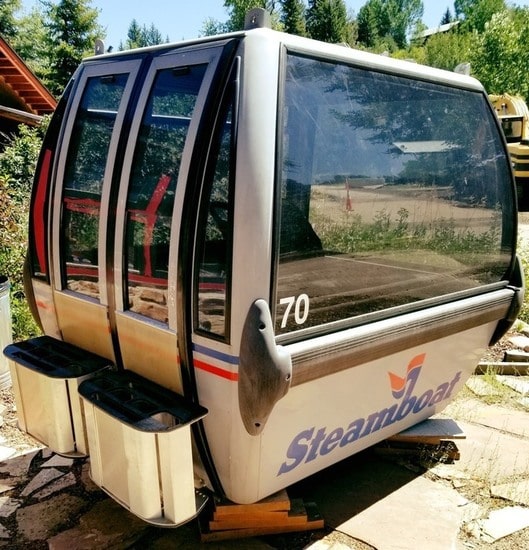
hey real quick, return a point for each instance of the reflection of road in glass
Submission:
(424, 205)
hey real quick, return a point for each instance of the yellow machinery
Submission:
(514, 116)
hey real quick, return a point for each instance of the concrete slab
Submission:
(493, 416)
(524, 402)
(521, 342)
(490, 455)
(517, 492)
(8, 505)
(42, 478)
(501, 523)
(18, 465)
(58, 461)
(432, 428)
(480, 387)
(412, 517)
(67, 480)
(519, 384)
(6, 487)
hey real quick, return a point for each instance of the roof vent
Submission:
(257, 19)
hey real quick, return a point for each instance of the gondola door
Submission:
(157, 160)
(83, 186)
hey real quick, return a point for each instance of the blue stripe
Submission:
(231, 359)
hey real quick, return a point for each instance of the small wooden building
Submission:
(23, 97)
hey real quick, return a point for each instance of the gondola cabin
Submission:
(254, 255)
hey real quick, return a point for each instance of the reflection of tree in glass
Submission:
(217, 226)
(427, 133)
(160, 146)
(92, 137)
(92, 133)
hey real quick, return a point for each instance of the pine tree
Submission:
(447, 17)
(293, 17)
(327, 21)
(73, 29)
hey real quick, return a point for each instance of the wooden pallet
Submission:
(275, 514)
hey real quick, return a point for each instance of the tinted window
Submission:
(83, 180)
(392, 191)
(215, 237)
(152, 187)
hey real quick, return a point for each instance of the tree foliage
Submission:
(17, 165)
(238, 9)
(72, 31)
(448, 50)
(499, 57)
(31, 42)
(447, 17)
(8, 24)
(293, 17)
(475, 14)
(388, 21)
(327, 20)
(140, 36)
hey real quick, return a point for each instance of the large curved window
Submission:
(150, 199)
(392, 191)
(83, 180)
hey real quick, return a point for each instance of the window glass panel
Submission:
(215, 237)
(83, 180)
(152, 186)
(393, 191)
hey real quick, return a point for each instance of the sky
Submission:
(183, 19)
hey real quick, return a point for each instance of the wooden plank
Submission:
(431, 432)
(236, 521)
(274, 503)
(296, 516)
(212, 536)
(281, 514)
(268, 519)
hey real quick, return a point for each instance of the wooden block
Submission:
(303, 517)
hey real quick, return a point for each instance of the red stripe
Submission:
(223, 373)
(39, 226)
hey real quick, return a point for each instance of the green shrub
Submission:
(17, 166)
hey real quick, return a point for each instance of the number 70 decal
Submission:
(301, 309)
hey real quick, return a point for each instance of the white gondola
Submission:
(254, 255)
